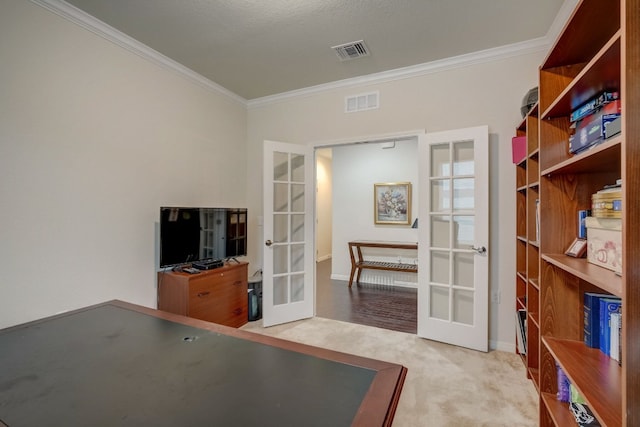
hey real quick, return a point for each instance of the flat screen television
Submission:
(188, 234)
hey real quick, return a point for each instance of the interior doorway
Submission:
(383, 299)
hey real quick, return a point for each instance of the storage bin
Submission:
(604, 242)
(518, 148)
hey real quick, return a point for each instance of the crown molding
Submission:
(461, 61)
(90, 23)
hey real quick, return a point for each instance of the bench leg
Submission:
(358, 276)
(353, 270)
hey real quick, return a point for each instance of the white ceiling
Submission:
(257, 48)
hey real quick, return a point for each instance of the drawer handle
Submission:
(203, 294)
(237, 311)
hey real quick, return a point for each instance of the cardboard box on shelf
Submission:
(604, 242)
(592, 129)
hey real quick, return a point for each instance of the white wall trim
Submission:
(502, 346)
(94, 25)
(479, 57)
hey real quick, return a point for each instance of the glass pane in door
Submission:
(463, 306)
(463, 269)
(297, 197)
(439, 302)
(297, 227)
(439, 267)
(463, 163)
(280, 259)
(280, 290)
(280, 166)
(440, 231)
(280, 228)
(463, 193)
(440, 195)
(280, 197)
(463, 231)
(297, 168)
(297, 287)
(440, 160)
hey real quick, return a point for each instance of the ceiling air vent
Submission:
(351, 50)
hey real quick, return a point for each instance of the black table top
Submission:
(111, 366)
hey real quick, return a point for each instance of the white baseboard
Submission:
(509, 347)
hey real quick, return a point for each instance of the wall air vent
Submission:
(362, 102)
(351, 50)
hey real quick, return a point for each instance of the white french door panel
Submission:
(453, 262)
(288, 251)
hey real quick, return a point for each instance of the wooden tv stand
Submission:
(218, 295)
(358, 262)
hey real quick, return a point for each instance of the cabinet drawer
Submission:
(219, 298)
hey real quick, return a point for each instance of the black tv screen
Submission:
(195, 234)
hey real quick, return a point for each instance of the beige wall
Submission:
(486, 93)
(93, 140)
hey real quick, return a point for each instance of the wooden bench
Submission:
(358, 263)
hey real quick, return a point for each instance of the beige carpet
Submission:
(445, 385)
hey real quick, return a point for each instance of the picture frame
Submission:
(578, 248)
(392, 203)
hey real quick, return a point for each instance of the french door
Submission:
(453, 264)
(288, 252)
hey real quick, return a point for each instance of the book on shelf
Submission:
(592, 318)
(615, 349)
(593, 105)
(607, 307)
(521, 330)
(563, 394)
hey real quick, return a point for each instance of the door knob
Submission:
(479, 250)
(268, 243)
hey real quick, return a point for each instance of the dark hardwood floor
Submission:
(388, 307)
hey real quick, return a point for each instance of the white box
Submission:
(604, 242)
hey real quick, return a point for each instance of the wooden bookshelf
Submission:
(527, 251)
(597, 50)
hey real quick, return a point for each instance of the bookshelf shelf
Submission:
(604, 154)
(558, 411)
(597, 377)
(605, 279)
(597, 50)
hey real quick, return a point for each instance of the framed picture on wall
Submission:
(392, 203)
